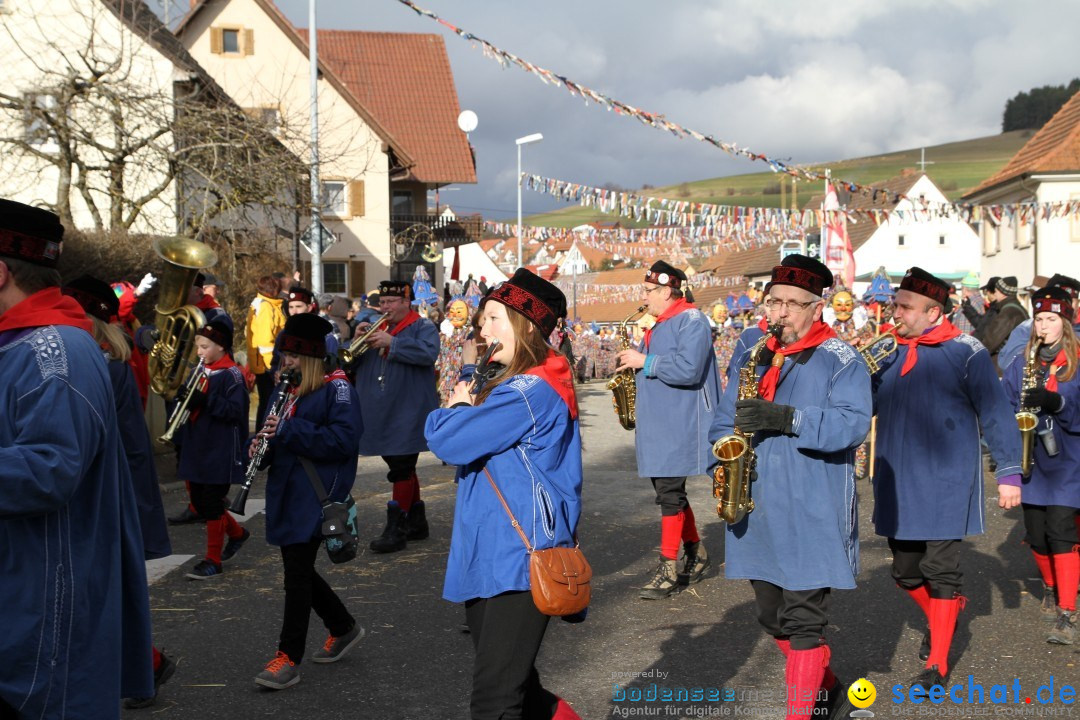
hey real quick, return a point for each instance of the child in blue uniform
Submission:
(523, 427)
(320, 422)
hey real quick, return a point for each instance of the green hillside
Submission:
(957, 167)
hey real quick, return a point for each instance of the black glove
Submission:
(757, 414)
(197, 401)
(1046, 400)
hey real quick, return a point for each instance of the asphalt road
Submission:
(415, 661)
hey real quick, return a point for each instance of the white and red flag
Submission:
(836, 246)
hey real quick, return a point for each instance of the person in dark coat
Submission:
(1004, 314)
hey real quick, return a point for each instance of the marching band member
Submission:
(212, 446)
(1052, 492)
(932, 397)
(678, 390)
(396, 379)
(813, 409)
(522, 427)
(322, 423)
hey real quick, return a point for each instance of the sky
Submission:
(800, 80)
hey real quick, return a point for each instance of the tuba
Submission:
(731, 478)
(177, 322)
(1027, 419)
(623, 385)
(359, 346)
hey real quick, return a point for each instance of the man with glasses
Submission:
(812, 410)
(678, 389)
(932, 396)
(396, 383)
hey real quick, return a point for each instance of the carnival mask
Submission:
(843, 305)
(458, 313)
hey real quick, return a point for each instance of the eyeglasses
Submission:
(789, 305)
(658, 287)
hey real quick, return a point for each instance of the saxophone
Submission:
(623, 385)
(1026, 419)
(731, 478)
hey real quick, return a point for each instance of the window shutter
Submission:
(356, 278)
(217, 42)
(249, 41)
(356, 198)
(305, 273)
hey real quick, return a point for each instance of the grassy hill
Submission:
(957, 167)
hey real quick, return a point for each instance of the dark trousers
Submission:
(305, 590)
(670, 494)
(1051, 529)
(209, 499)
(506, 632)
(7, 712)
(401, 467)
(934, 562)
(798, 615)
(265, 385)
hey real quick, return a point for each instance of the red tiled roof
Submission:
(406, 81)
(1054, 148)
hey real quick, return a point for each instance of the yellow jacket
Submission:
(264, 321)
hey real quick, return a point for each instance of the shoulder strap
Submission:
(513, 520)
(316, 483)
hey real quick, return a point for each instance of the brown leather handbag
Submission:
(559, 576)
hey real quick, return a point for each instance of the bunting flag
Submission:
(589, 293)
(836, 245)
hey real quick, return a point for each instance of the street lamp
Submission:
(528, 139)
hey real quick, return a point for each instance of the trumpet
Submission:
(180, 414)
(289, 378)
(362, 344)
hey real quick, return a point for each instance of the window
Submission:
(334, 278)
(38, 108)
(900, 240)
(401, 202)
(230, 41)
(941, 240)
(333, 197)
(271, 118)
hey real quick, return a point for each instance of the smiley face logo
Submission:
(862, 693)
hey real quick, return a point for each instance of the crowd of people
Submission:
(490, 387)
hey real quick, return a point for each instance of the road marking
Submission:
(160, 567)
(253, 507)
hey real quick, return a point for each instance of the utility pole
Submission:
(316, 187)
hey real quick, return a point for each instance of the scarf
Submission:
(942, 333)
(46, 307)
(555, 371)
(207, 302)
(677, 307)
(819, 333)
(408, 320)
(1059, 362)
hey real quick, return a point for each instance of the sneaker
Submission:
(393, 535)
(234, 545)
(161, 676)
(928, 678)
(1064, 632)
(185, 517)
(279, 674)
(335, 647)
(924, 648)
(664, 583)
(204, 570)
(696, 562)
(1048, 610)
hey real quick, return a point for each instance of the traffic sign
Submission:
(328, 238)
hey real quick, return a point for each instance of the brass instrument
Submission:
(289, 378)
(177, 322)
(180, 414)
(731, 478)
(1027, 419)
(362, 344)
(879, 348)
(622, 385)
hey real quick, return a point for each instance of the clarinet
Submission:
(288, 378)
(485, 369)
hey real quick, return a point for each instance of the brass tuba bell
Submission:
(173, 354)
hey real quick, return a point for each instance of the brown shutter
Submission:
(217, 41)
(356, 278)
(356, 198)
(305, 273)
(249, 42)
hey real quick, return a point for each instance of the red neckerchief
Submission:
(224, 363)
(1056, 364)
(46, 307)
(408, 320)
(338, 374)
(677, 307)
(819, 333)
(942, 333)
(556, 372)
(207, 302)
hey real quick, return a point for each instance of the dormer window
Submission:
(232, 40)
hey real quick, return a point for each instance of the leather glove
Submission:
(757, 414)
(1046, 400)
(197, 401)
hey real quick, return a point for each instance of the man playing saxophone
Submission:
(812, 410)
(678, 389)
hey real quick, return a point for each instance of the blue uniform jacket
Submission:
(1053, 480)
(678, 392)
(140, 457)
(804, 532)
(395, 407)
(525, 436)
(325, 428)
(76, 618)
(928, 482)
(212, 445)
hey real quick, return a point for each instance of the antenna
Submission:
(467, 122)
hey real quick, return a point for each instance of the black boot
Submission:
(393, 535)
(416, 527)
(924, 649)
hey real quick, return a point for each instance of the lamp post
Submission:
(528, 139)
